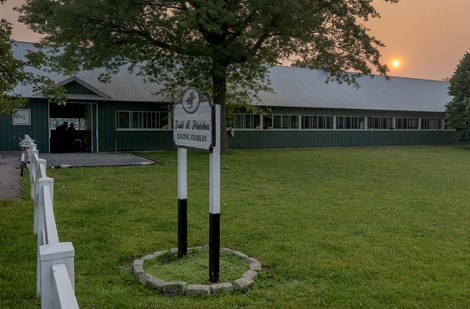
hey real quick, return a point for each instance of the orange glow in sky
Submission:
(396, 63)
(432, 35)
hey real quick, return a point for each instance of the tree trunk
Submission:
(219, 82)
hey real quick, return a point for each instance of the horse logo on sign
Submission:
(191, 100)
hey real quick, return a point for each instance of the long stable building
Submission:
(302, 111)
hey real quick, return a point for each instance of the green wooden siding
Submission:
(38, 130)
(141, 140)
(301, 138)
(110, 139)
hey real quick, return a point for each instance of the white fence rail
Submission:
(55, 259)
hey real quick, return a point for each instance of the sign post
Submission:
(182, 203)
(195, 127)
(214, 205)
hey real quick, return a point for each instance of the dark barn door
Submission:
(71, 127)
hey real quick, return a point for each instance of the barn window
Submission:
(350, 123)
(317, 122)
(246, 121)
(430, 124)
(380, 123)
(404, 123)
(142, 120)
(285, 121)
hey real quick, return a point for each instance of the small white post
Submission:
(59, 253)
(182, 174)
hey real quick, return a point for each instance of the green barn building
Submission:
(302, 111)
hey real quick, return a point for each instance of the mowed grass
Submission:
(374, 227)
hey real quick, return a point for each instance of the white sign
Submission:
(22, 117)
(193, 122)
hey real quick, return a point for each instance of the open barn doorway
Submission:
(71, 127)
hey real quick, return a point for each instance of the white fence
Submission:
(55, 259)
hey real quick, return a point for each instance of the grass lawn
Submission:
(374, 227)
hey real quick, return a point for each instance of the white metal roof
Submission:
(293, 87)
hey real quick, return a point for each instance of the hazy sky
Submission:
(428, 37)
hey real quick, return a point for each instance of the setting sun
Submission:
(396, 63)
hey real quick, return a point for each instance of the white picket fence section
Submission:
(55, 260)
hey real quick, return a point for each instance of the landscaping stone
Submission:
(220, 288)
(226, 250)
(138, 263)
(149, 257)
(197, 290)
(143, 277)
(237, 253)
(255, 266)
(242, 283)
(173, 288)
(138, 268)
(250, 274)
(250, 260)
(154, 283)
(159, 253)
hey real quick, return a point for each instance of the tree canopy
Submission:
(224, 47)
(10, 70)
(458, 110)
(13, 72)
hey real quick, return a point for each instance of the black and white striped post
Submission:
(182, 203)
(214, 203)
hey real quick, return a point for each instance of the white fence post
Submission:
(41, 222)
(37, 176)
(32, 180)
(31, 146)
(32, 171)
(42, 182)
(59, 253)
